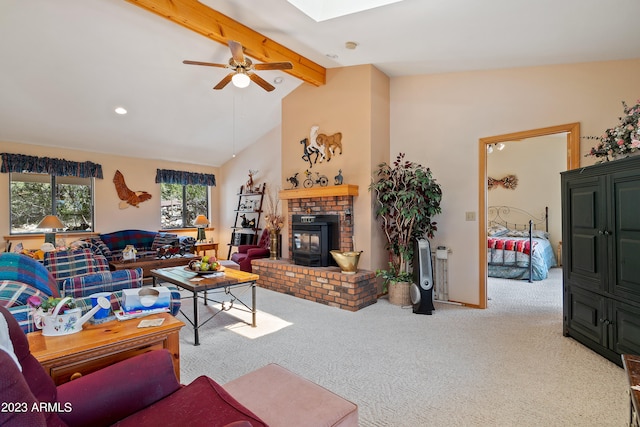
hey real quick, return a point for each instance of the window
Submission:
(34, 195)
(180, 204)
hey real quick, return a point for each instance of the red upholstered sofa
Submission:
(143, 391)
(246, 253)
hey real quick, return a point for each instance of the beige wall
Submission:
(263, 156)
(438, 119)
(355, 101)
(139, 174)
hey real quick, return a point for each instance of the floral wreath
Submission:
(510, 182)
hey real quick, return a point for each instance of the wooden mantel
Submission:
(317, 192)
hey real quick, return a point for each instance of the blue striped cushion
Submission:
(65, 264)
(106, 281)
(118, 240)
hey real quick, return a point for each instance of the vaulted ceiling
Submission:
(65, 65)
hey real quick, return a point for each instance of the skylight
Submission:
(322, 10)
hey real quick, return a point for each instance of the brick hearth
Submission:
(326, 285)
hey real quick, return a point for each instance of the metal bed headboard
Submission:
(517, 219)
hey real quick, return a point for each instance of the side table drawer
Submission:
(65, 372)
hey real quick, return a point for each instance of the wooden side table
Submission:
(204, 247)
(97, 346)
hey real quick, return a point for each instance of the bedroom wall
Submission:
(438, 119)
(139, 174)
(537, 163)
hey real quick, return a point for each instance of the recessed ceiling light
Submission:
(278, 80)
(351, 45)
(120, 110)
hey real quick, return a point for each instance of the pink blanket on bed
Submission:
(510, 245)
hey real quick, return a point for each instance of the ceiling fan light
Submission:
(240, 80)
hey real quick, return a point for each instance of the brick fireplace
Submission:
(326, 285)
(335, 200)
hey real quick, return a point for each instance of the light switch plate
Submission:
(470, 216)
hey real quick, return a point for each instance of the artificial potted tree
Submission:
(407, 198)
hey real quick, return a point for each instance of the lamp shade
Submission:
(51, 221)
(201, 221)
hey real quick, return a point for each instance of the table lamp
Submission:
(53, 223)
(201, 222)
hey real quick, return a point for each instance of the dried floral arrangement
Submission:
(273, 219)
(622, 139)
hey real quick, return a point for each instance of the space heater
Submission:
(421, 290)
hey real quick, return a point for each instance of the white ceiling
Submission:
(66, 64)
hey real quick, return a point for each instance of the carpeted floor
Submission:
(508, 365)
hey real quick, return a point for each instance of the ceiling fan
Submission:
(243, 68)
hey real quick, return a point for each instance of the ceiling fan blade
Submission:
(208, 64)
(273, 66)
(236, 51)
(224, 81)
(261, 82)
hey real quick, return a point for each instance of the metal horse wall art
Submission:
(322, 145)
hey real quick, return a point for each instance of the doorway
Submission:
(572, 131)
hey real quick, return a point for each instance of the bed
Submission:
(512, 233)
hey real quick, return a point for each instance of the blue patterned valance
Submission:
(57, 167)
(166, 176)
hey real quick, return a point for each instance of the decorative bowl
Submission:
(220, 268)
(347, 261)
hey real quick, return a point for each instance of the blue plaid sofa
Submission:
(77, 273)
(111, 245)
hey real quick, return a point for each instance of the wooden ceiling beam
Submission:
(212, 24)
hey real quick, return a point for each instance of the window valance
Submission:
(56, 167)
(166, 176)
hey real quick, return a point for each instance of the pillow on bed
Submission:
(517, 233)
(497, 230)
(536, 234)
(540, 234)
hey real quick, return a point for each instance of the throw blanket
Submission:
(521, 246)
(20, 268)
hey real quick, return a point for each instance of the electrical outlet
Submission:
(470, 216)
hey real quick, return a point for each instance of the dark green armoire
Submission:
(601, 256)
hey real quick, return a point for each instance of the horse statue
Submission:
(330, 143)
(294, 181)
(308, 151)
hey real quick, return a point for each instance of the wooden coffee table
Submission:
(148, 264)
(97, 346)
(227, 284)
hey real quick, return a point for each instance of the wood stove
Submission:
(313, 237)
